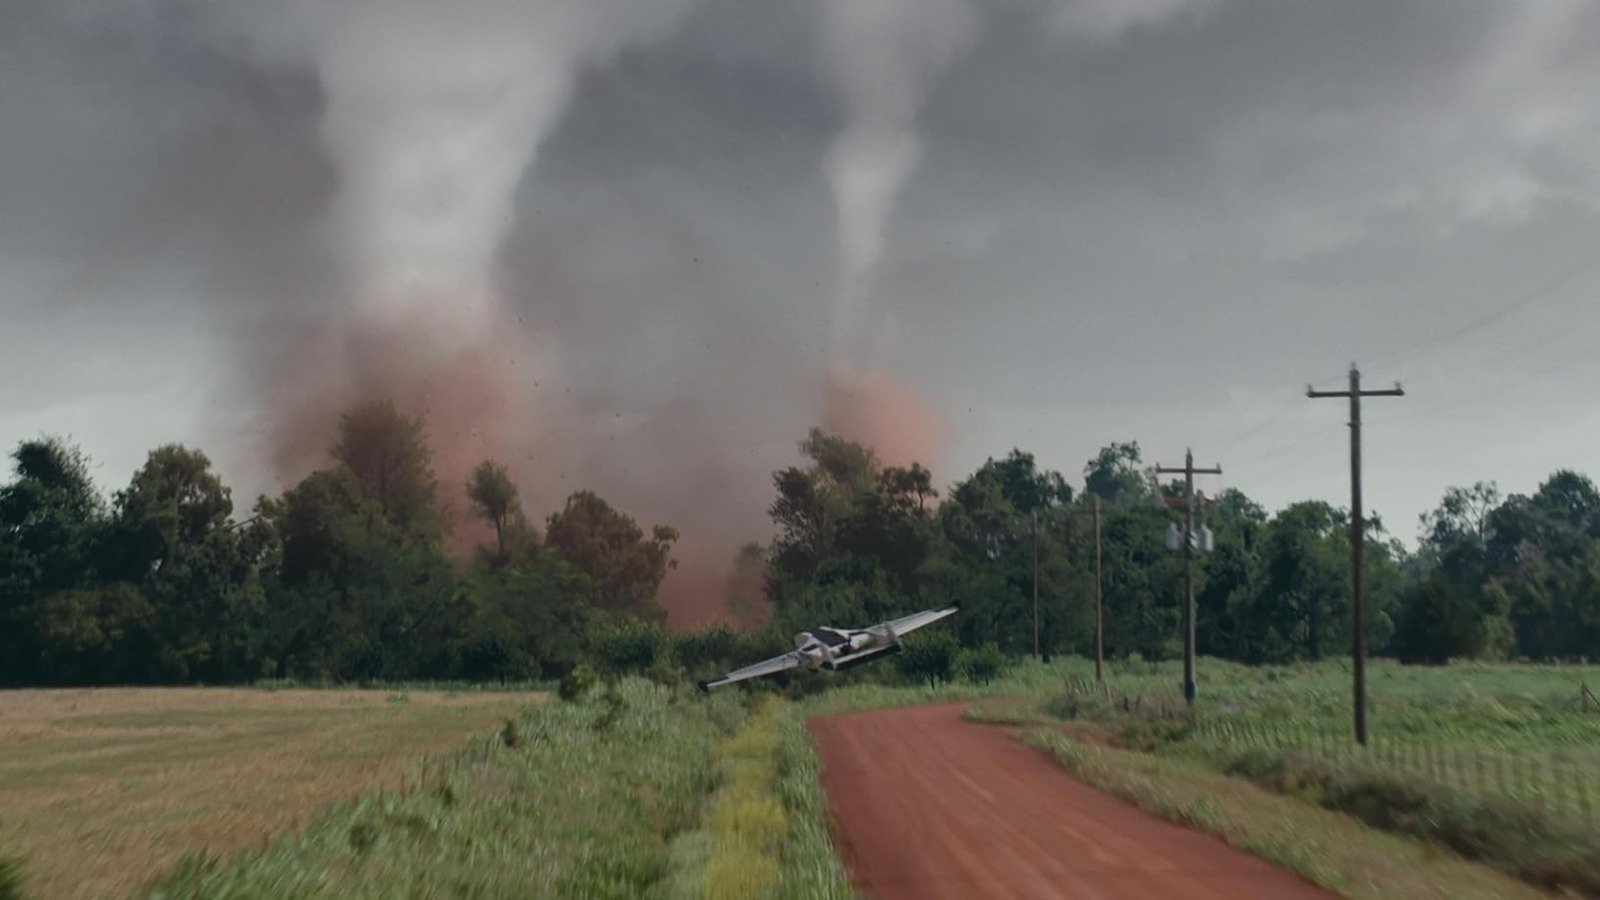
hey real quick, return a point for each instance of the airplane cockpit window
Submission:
(831, 637)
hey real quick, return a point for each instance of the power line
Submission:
(1543, 291)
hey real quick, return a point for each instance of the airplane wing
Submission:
(906, 624)
(790, 660)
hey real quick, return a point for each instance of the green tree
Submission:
(1117, 474)
(529, 618)
(51, 525)
(173, 537)
(494, 499)
(625, 566)
(357, 594)
(852, 537)
(992, 527)
(387, 452)
(1440, 624)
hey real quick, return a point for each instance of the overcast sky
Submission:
(1151, 221)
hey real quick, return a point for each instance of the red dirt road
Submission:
(926, 805)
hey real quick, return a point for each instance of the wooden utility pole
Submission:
(1036, 584)
(1357, 539)
(1189, 472)
(1099, 603)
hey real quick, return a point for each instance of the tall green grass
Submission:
(634, 790)
(585, 805)
(10, 879)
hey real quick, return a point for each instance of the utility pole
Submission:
(1357, 538)
(1189, 472)
(1036, 584)
(1099, 603)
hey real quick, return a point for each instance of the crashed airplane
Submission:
(836, 649)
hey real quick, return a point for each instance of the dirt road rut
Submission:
(927, 806)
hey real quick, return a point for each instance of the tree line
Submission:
(346, 576)
(349, 575)
(1493, 577)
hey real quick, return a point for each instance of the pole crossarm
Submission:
(1395, 391)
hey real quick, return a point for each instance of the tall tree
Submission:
(1117, 474)
(173, 537)
(51, 524)
(494, 499)
(1008, 521)
(625, 565)
(852, 536)
(387, 451)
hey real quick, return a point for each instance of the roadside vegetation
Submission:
(1494, 762)
(633, 789)
(1328, 849)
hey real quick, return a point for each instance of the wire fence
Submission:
(1520, 773)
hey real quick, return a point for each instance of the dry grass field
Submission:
(103, 789)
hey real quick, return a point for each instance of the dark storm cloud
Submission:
(1145, 220)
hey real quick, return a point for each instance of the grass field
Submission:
(102, 790)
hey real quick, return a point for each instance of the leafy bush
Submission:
(630, 647)
(577, 683)
(1154, 734)
(982, 664)
(931, 658)
(701, 651)
(665, 671)
(511, 734)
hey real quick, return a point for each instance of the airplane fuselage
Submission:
(823, 646)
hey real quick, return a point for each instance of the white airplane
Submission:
(834, 649)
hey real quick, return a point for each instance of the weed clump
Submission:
(363, 835)
(511, 734)
(577, 683)
(983, 664)
(10, 879)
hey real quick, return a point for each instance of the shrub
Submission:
(931, 658)
(511, 734)
(982, 665)
(664, 671)
(577, 683)
(1153, 734)
(631, 646)
(701, 651)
